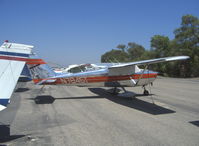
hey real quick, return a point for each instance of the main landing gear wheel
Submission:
(146, 92)
(115, 91)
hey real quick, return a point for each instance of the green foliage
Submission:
(121, 46)
(186, 42)
(115, 56)
(135, 51)
(161, 45)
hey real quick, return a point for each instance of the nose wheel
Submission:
(146, 92)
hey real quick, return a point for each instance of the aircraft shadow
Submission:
(5, 134)
(48, 99)
(196, 123)
(133, 102)
(22, 90)
(102, 93)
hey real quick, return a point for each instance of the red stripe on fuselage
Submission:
(77, 80)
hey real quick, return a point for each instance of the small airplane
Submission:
(13, 58)
(104, 75)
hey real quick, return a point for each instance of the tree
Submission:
(135, 51)
(189, 30)
(187, 43)
(121, 47)
(115, 56)
(160, 44)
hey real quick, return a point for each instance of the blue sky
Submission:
(80, 31)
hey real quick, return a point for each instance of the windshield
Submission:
(83, 68)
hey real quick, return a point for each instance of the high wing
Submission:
(151, 61)
(12, 60)
(128, 68)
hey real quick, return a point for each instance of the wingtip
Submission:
(187, 57)
(177, 58)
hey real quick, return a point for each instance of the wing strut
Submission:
(146, 66)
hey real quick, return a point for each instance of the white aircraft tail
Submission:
(12, 60)
(40, 71)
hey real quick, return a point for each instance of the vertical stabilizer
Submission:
(40, 70)
(12, 60)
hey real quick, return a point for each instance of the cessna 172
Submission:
(13, 58)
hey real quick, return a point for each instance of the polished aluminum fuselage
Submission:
(102, 78)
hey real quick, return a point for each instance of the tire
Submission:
(146, 92)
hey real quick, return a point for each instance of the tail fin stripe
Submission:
(29, 61)
(14, 54)
(13, 58)
(35, 62)
(4, 101)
